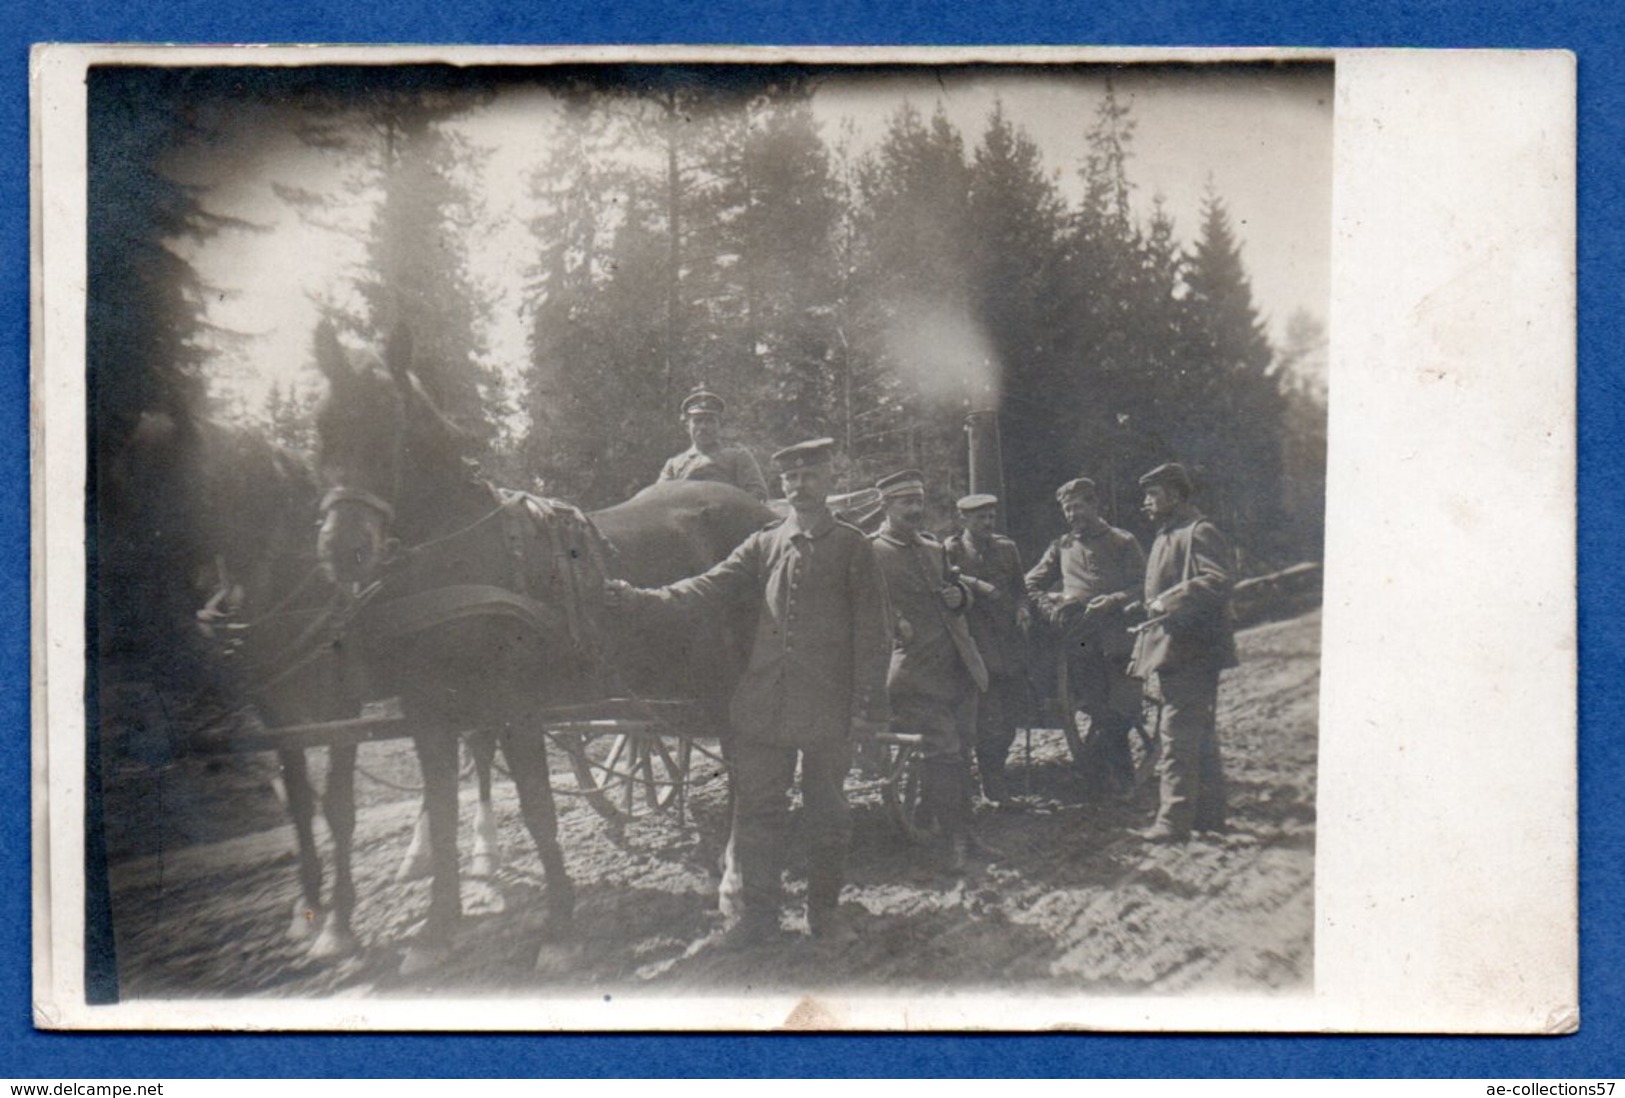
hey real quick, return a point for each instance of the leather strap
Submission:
(357, 495)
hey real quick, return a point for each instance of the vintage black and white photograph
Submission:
(652, 533)
(651, 528)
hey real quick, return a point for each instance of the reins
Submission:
(409, 551)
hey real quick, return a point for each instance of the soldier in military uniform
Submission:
(816, 680)
(936, 671)
(991, 564)
(708, 458)
(1186, 640)
(1081, 586)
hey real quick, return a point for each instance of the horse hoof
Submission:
(306, 923)
(334, 941)
(557, 958)
(424, 957)
(483, 865)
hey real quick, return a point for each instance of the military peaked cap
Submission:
(1078, 486)
(703, 400)
(1171, 475)
(817, 451)
(903, 483)
(978, 502)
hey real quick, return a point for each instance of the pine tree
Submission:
(772, 230)
(1018, 225)
(147, 342)
(911, 295)
(1302, 374)
(1230, 405)
(409, 201)
(748, 307)
(1113, 287)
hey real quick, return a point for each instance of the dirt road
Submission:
(204, 891)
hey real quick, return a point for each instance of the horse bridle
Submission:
(343, 494)
(383, 507)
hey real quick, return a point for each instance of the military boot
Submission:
(996, 787)
(944, 789)
(826, 873)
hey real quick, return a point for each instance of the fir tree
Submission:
(1230, 407)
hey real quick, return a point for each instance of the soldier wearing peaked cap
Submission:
(991, 564)
(936, 671)
(708, 458)
(816, 680)
(1186, 641)
(1081, 586)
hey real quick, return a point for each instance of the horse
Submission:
(204, 529)
(484, 606)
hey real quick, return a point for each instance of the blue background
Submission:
(1586, 27)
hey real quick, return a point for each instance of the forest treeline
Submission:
(691, 230)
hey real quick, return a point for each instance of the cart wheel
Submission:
(901, 791)
(1070, 716)
(1076, 740)
(1146, 743)
(620, 772)
(588, 773)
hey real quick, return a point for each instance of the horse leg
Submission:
(482, 746)
(307, 910)
(418, 861)
(527, 761)
(731, 887)
(338, 805)
(437, 756)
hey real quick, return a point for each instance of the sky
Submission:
(1260, 135)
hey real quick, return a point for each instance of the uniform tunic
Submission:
(1188, 577)
(733, 465)
(936, 670)
(1102, 560)
(933, 654)
(1189, 571)
(822, 633)
(818, 661)
(992, 621)
(1099, 560)
(996, 629)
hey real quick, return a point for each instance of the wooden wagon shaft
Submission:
(294, 737)
(610, 715)
(582, 720)
(1297, 572)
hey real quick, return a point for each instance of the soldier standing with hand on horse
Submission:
(1081, 586)
(1185, 642)
(707, 458)
(816, 681)
(991, 564)
(936, 672)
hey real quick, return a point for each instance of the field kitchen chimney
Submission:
(986, 459)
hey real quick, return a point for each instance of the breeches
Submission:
(1192, 773)
(998, 711)
(763, 774)
(1101, 687)
(946, 728)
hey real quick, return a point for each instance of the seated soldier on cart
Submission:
(1080, 588)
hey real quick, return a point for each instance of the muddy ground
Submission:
(203, 880)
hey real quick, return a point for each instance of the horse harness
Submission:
(556, 559)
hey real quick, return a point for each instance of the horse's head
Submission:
(360, 450)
